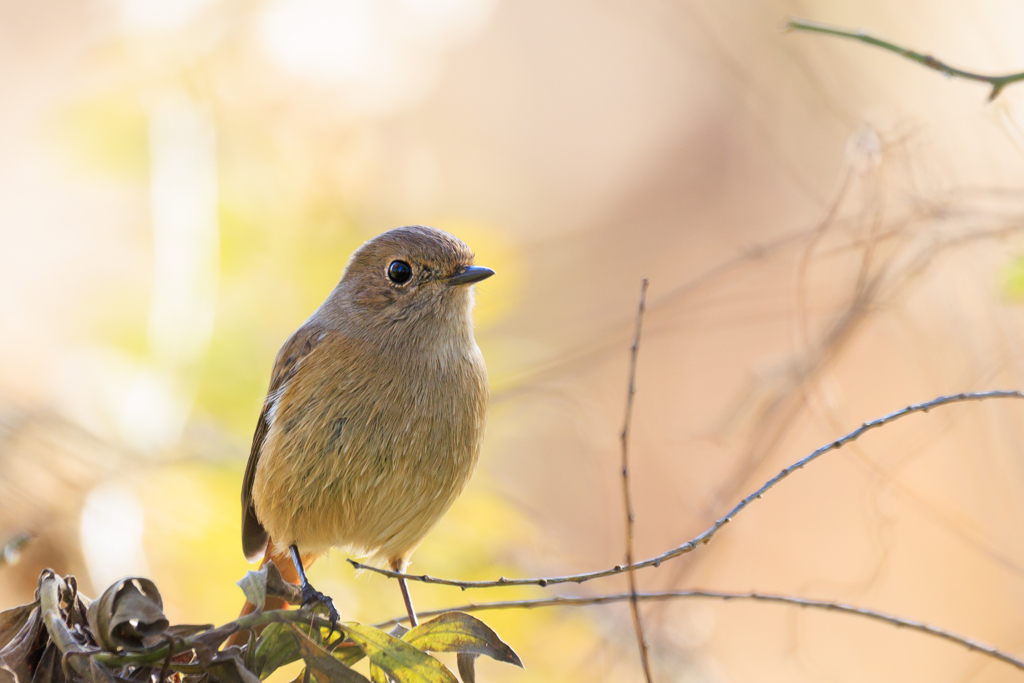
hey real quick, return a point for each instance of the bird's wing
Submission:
(289, 359)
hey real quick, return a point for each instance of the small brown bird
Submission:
(374, 418)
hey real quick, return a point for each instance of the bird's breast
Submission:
(370, 447)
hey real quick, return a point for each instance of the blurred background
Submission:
(830, 233)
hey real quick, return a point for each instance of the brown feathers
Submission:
(375, 414)
(254, 536)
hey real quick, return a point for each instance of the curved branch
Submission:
(891, 619)
(213, 638)
(997, 82)
(709, 533)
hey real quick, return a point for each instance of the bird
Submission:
(375, 414)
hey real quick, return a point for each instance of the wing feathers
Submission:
(289, 359)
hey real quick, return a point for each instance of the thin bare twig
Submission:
(627, 502)
(900, 622)
(301, 616)
(997, 82)
(705, 536)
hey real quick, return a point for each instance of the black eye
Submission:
(399, 272)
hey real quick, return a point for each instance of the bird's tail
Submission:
(284, 564)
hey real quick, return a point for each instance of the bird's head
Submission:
(412, 274)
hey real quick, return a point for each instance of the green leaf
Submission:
(275, 648)
(347, 653)
(398, 659)
(460, 632)
(377, 674)
(254, 586)
(249, 655)
(322, 667)
(129, 615)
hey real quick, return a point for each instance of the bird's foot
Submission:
(311, 596)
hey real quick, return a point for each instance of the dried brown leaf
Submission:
(20, 631)
(277, 586)
(228, 668)
(254, 586)
(48, 670)
(129, 615)
(467, 666)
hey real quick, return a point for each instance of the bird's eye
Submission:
(399, 272)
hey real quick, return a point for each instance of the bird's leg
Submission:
(399, 566)
(310, 594)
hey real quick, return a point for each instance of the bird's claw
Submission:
(311, 596)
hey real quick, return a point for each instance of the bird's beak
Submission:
(469, 275)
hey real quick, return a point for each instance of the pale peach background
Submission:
(830, 233)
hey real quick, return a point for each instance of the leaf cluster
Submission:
(124, 636)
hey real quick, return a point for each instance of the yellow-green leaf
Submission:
(461, 632)
(398, 659)
(275, 647)
(377, 675)
(321, 666)
(347, 653)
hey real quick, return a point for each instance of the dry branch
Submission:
(997, 82)
(827, 605)
(706, 536)
(627, 503)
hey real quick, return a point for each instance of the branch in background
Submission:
(10, 552)
(918, 626)
(707, 535)
(997, 82)
(627, 503)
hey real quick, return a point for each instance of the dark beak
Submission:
(469, 275)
